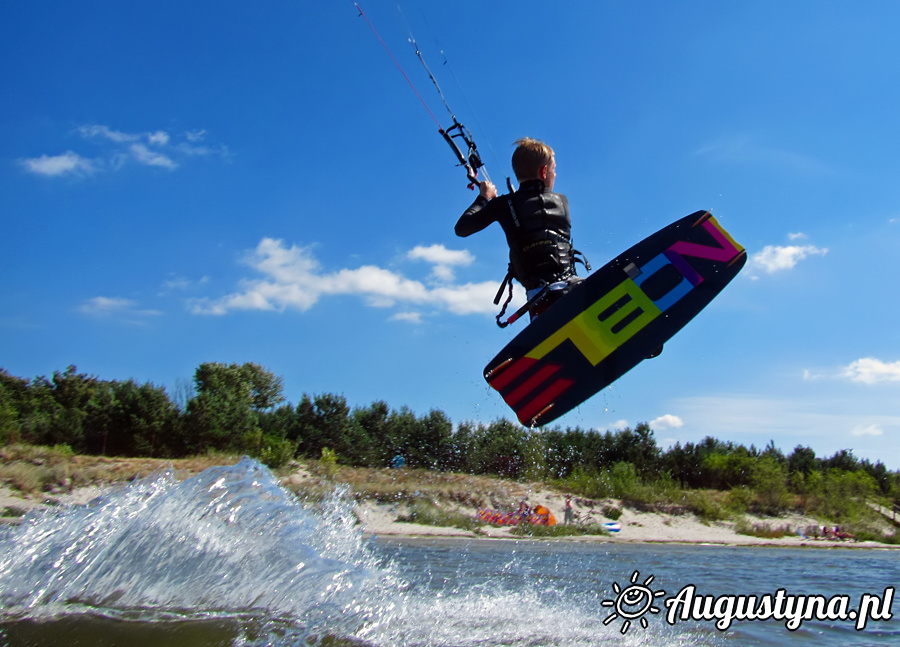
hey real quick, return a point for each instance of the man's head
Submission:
(534, 160)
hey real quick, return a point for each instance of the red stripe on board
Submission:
(511, 372)
(538, 404)
(529, 385)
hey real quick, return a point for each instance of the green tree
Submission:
(802, 460)
(374, 420)
(637, 447)
(769, 479)
(56, 409)
(431, 445)
(249, 382)
(14, 393)
(842, 460)
(403, 430)
(131, 419)
(501, 450)
(725, 470)
(565, 451)
(462, 447)
(325, 421)
(230, 399)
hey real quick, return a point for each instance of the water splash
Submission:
(228, 540)
(232, 549)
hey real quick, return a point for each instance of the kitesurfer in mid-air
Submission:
(537, 226)
(536, 223)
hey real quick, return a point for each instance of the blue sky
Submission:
(192, 182)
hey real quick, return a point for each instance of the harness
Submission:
(534, 255)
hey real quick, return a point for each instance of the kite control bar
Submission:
(471, 160)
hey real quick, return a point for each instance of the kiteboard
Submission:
(617, 317)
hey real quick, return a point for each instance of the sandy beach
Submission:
(636, 526)
(381, 518)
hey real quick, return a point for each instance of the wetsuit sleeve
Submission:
(476, 217)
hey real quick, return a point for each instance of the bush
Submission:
(13, 511)
(769, 479)
(706, 505)
(278, 452)
(631, 489)
(739, 500)
(611, 512)
(588, 483)
(763, 530)
(328, 462)
(874, 535)
(270, 449)
(428, 514)
(60, 453)
(26, 477)
(622, 481)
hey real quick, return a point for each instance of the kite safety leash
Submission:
(470, 159)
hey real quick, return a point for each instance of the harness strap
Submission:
(583, 260)
(507, 280)
(525, 308)
(505, 303)
(535, 303)
(506, 284)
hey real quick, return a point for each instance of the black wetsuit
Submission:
(538, 230)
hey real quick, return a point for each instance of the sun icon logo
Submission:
(632, 602)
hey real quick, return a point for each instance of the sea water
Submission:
(229, 557)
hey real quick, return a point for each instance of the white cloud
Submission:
(867, 430)
(615, 426)
(411, 317)
(443, 260)
(797, 236)
(181, 283)
(443, 273)
(667, 421)
(869, 370)
(105, 305)
(813, 375)
(105, 132)
(292, 278)
(157, 149)
(774, 258)
(112, 306)
(68, 163)
(142, 154)
(202, 151)
(440, 255)
(381, 287)
(192, 146)
(160, 138)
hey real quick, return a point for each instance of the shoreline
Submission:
(462, 495)
(649, 528)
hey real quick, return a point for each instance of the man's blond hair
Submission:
(529, 157)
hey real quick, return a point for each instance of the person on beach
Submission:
(570, 514)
